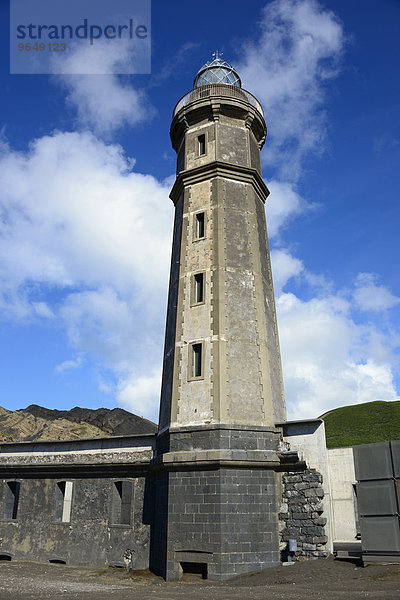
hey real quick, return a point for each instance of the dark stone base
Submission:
(220, 516)
(206, 437)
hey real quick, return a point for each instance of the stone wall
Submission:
(301, 516)
(216, 501)
(223, 518)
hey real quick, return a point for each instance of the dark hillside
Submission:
(116, 421)
(36, 423)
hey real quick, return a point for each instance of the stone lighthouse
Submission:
(216, 465)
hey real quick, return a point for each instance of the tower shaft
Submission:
(222, 389)
(221, 303)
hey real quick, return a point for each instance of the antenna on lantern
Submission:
(217, 54)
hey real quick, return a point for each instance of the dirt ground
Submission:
(320, 579)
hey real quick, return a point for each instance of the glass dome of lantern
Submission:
(217, 71)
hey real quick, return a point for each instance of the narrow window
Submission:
(198, 281)
(197, 360)
(12, 499)
(123, 494)
(202, 144)
(200, 228)
(63, 501)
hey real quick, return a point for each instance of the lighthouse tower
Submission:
(222, 392)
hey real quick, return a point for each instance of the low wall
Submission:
(302, 511)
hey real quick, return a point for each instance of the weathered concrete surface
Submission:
(241, 380)
(312, 580)
(342, 479)
(93, 535)
(70, 500)
(131, 449)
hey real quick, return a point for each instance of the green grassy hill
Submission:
(362, 424)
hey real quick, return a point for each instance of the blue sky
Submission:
(85, 171)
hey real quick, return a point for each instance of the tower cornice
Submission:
(219, 169)
(212, 101)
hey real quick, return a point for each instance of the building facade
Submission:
(84, 502)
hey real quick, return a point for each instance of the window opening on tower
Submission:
(202, 144)
(200, 225)
(197, 351)
(198, 288)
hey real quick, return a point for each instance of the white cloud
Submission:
(286, 69)
(73, 212)
(329, 359)
(371, 297)
(283, 204)
(330, 356)
(75, 219)
(284, 267)
(101, 324)
(68, 365)
(42, 309)
(140, 394)
(103, 101)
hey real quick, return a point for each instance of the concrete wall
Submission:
(170, 331)
(83, 502)
(91, 536)
(342, 478)
(111, 450)
(192, 398)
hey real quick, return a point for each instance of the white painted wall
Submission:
(342, 478)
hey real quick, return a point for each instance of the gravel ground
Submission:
(320, 579)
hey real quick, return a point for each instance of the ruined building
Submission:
(226, 481)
